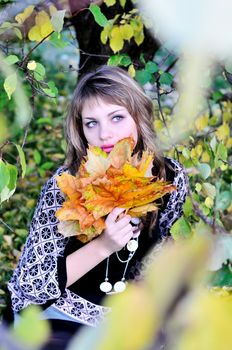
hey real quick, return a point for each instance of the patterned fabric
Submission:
(174, 207)
(35, 279)
(81, 309)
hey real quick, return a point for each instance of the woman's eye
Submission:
(90, 124)
(117, 118)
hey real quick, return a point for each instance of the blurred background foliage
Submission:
(49, 45)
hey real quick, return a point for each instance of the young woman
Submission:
(62, 275)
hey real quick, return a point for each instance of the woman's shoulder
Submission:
(175, 171)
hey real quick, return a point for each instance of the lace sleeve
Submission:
(174, 206)
(35, 279)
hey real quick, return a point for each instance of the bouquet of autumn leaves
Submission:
(105, 181)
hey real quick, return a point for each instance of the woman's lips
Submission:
(107, 148)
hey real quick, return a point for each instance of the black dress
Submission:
(40, 276)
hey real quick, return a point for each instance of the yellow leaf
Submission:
(44, 22)
(202, 122)
(158, 125)
(116, 40)
(31, 65)
(209, 202)
(52, 9)
(229, 143)
(68, 228)
(223, 132)
(104, 35)
(34, 34)
(41, 18)
(109, 2)
(21, 17)
(209, 323)
(205, 158)
(139, 37)
(126, 31)
(121, 152)
(142, 210)
(97, 162)
(141, 317)
(131, 70)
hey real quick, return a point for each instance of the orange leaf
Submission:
(121, 152)
(68, 184)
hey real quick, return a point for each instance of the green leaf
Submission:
(47, 165)
(221, 155)
(188, 207)
(181, 229)
(217, 95)
(142, 76)
(209, 190)
(44, 121)
(204, 170)
(9, 189)
(11, 59)
(56, 40)
(53, 88)
(222, 251)
(39, 71)
(10, 84)
(18, 33)
(213, 143)
(37, 156)
(166, 78)
(100, 19)
(116, 60)
(13, 171)
(57, 20)
(22, 159)
(151, 67)
(221, 278)
(223, 200)
(122, 3)
(4, 175)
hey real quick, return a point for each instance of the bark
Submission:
(93, 52)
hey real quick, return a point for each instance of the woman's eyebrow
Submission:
(116, 111)
(88, 118)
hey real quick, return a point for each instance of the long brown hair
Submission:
(113, 85)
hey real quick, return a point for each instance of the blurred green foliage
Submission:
(206, 153)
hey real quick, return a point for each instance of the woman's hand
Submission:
(118, 231)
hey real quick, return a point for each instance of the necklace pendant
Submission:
(119, 286)
(106, 287)
(132, 245)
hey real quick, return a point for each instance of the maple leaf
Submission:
(105, 182)
(68, 184)
(97, 162)
(121, 152)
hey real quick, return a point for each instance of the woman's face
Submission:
(104, 124)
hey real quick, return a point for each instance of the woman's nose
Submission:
(106, 132)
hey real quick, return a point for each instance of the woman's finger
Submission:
(113, 216)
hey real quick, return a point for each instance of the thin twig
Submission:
(211, 222)
(162, 116)
(6, 225)
(25, 59)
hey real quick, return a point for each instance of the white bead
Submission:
(135, 221)
(119, 287)
(132, 245)
(106, 287)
